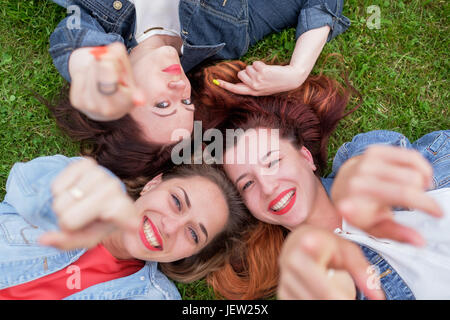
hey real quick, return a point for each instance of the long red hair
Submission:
(306, 116)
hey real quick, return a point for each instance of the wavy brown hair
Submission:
(307, 117)
(118, 145)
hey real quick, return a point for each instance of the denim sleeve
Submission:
(28, 188)
(360, 143)
(76, 31)
(319, 13)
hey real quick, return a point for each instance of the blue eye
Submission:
(193, 235)
(248, 184)
(177, 202)
(162, 105)
(186, 101)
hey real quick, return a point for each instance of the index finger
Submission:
(116, 55)
(238, 88)
(406, 157)
(353, 260)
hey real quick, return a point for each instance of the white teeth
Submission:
(150, 235)
(283, 201)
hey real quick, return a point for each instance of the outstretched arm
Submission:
(260, 79)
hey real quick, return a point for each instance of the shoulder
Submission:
(165, 288)
(27, 174)
(362, 141)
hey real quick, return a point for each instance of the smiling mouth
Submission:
(149, 235)
(284, 202)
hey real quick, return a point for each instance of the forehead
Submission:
(255, 147)
(251, 146)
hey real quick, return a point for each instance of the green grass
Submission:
(401, 70)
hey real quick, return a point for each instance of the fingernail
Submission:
(216, 82)
(138, 102)
(98, 52)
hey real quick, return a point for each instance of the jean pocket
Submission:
(16, 231)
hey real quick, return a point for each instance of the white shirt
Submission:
(425, 270)
(161, 14)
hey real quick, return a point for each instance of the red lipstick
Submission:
(288, 206)
(144, 240)
(173, 69)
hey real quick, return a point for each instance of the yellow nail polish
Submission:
(216, 82)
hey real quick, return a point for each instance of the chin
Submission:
(294, 220)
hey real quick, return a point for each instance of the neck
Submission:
(155, 42)
(114, 244)
(324, 214)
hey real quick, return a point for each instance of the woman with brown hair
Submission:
(127, 60)
(69, 230)
(283, 188)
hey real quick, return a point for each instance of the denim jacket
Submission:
(435, 147)
(25, 214)
(209, 29)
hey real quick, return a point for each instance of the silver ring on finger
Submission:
(107, 89)
(76, 193)
(330, 273)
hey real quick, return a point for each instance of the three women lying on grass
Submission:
(191, 207)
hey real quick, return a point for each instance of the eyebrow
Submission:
(186, 198)
(202, 227)
(268, 154)
(188, 202)
(242, 176)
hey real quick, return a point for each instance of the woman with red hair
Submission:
(283, 188)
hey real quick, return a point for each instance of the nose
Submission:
(170, 225)
(178, 85)
(268, 185)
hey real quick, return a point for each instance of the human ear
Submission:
(152, 184)
(306, 154)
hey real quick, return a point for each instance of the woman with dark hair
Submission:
(123, 58)
(69, 230)
(283, 187)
